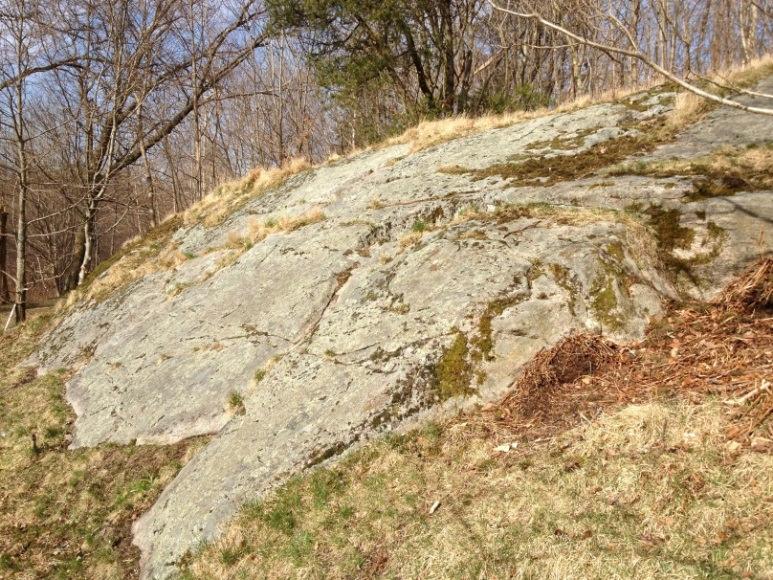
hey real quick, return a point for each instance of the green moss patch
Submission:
(722, 173)
(604, 302)
(453, 373)
(563, 277)
(563, 143)
(551, 170)
(548, 170)
(483, 342)
(612, 283)
(671, 236)
(236, 403)
(460, 364)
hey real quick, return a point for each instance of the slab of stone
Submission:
(333, 333)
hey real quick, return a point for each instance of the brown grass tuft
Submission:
(723, 172)
(718, 349)
(751, 292)
(430, 133)
(687, 108)
(215, 208)
(573, 357)
(258, 230)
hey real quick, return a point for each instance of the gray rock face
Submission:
(340, 330)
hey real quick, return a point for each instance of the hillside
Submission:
(304, 311)
(645, 462)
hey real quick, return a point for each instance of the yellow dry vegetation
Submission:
(229, 197)
(722, 172)
(258, 229)
(133, 261)
(137, 258)
(430, 133)
(651, 491)
(687, 108)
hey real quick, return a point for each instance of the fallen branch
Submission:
(634, 53)
(740, 401)
(10, 317)
(731, 87)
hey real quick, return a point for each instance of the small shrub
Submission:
(419, 226)
(236, 403)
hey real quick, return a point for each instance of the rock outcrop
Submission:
(411, 283)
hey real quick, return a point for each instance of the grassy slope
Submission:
(66, 514)
(651, 491)
(668, 481)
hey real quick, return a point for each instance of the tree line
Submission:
(114, 115)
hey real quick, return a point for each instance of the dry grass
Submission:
(430, 133)
(689, 107)
(137, 258)
(554, 214)
(650, 492)
(130, 267)
(743, 76)
(670, 481)
(411, 240)
(216, 207)
(723, 172)
(67, 513)
(258, 230)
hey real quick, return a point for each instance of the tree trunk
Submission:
(89, 242)
(196, 111)
(21, 252)
(449, 66)
(4, 294)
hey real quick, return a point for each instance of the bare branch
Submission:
(635, 54)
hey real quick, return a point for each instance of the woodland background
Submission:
(116, 114)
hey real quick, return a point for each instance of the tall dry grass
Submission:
(229, 197)
(687, 107)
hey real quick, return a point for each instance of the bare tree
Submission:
(130, 59)
(660, 62)
(4, 295)
(131, 110)
(20, 21)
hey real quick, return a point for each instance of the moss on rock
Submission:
(454, 371)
